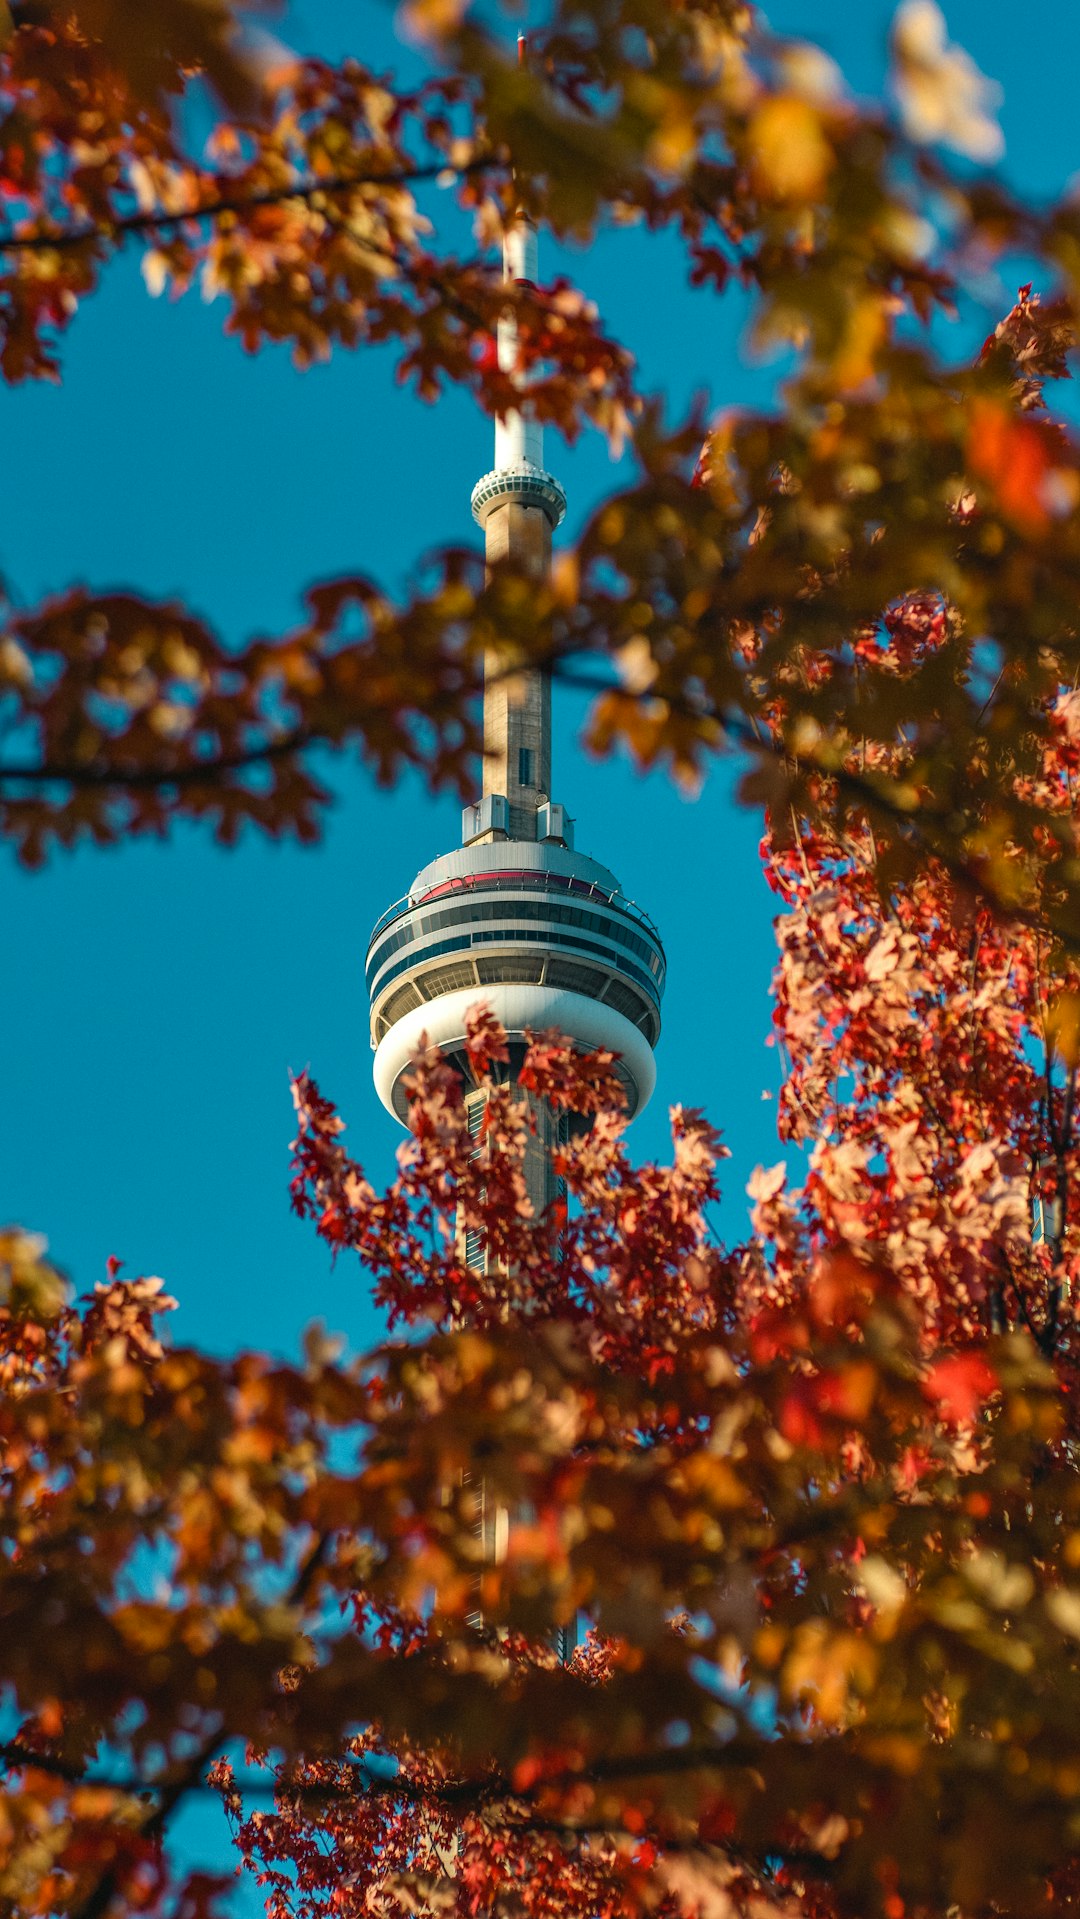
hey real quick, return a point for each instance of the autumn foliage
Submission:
(331, 209)
(809, 1502)
(824, 1545)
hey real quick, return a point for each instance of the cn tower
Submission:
(514, 916)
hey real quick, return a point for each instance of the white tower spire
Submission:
(519, 472)
(519, 439)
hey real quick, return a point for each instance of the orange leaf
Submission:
(1012, 455)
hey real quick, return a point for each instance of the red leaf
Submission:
(959, 1383)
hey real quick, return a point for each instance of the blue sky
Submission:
(157, 997)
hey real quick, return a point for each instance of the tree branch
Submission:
(738, 727)
(90, 776)
(475, 1793)
(158, 221)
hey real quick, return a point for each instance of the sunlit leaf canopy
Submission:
(827, 1544)
(740, 593)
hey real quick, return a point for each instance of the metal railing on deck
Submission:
(528, 879)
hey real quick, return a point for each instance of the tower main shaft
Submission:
(517, 708)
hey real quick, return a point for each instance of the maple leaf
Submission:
(959, 1384)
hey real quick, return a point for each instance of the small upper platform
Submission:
(527, 484)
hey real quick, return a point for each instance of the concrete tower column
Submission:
(517, 709)
(518, 504)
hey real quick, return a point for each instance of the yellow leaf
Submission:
(790, 156)
(428, 20)
(1063, 1606)
(713, 1479)
(864, 332)
(1063, 1027)
(828, 1669)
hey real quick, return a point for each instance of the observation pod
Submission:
(545, 937)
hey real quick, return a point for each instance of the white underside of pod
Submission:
(519, 1007)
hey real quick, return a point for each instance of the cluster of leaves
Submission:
(131, 714)
(828, 1563)
(725, 599)
(764, 1727)
(930, 1054)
